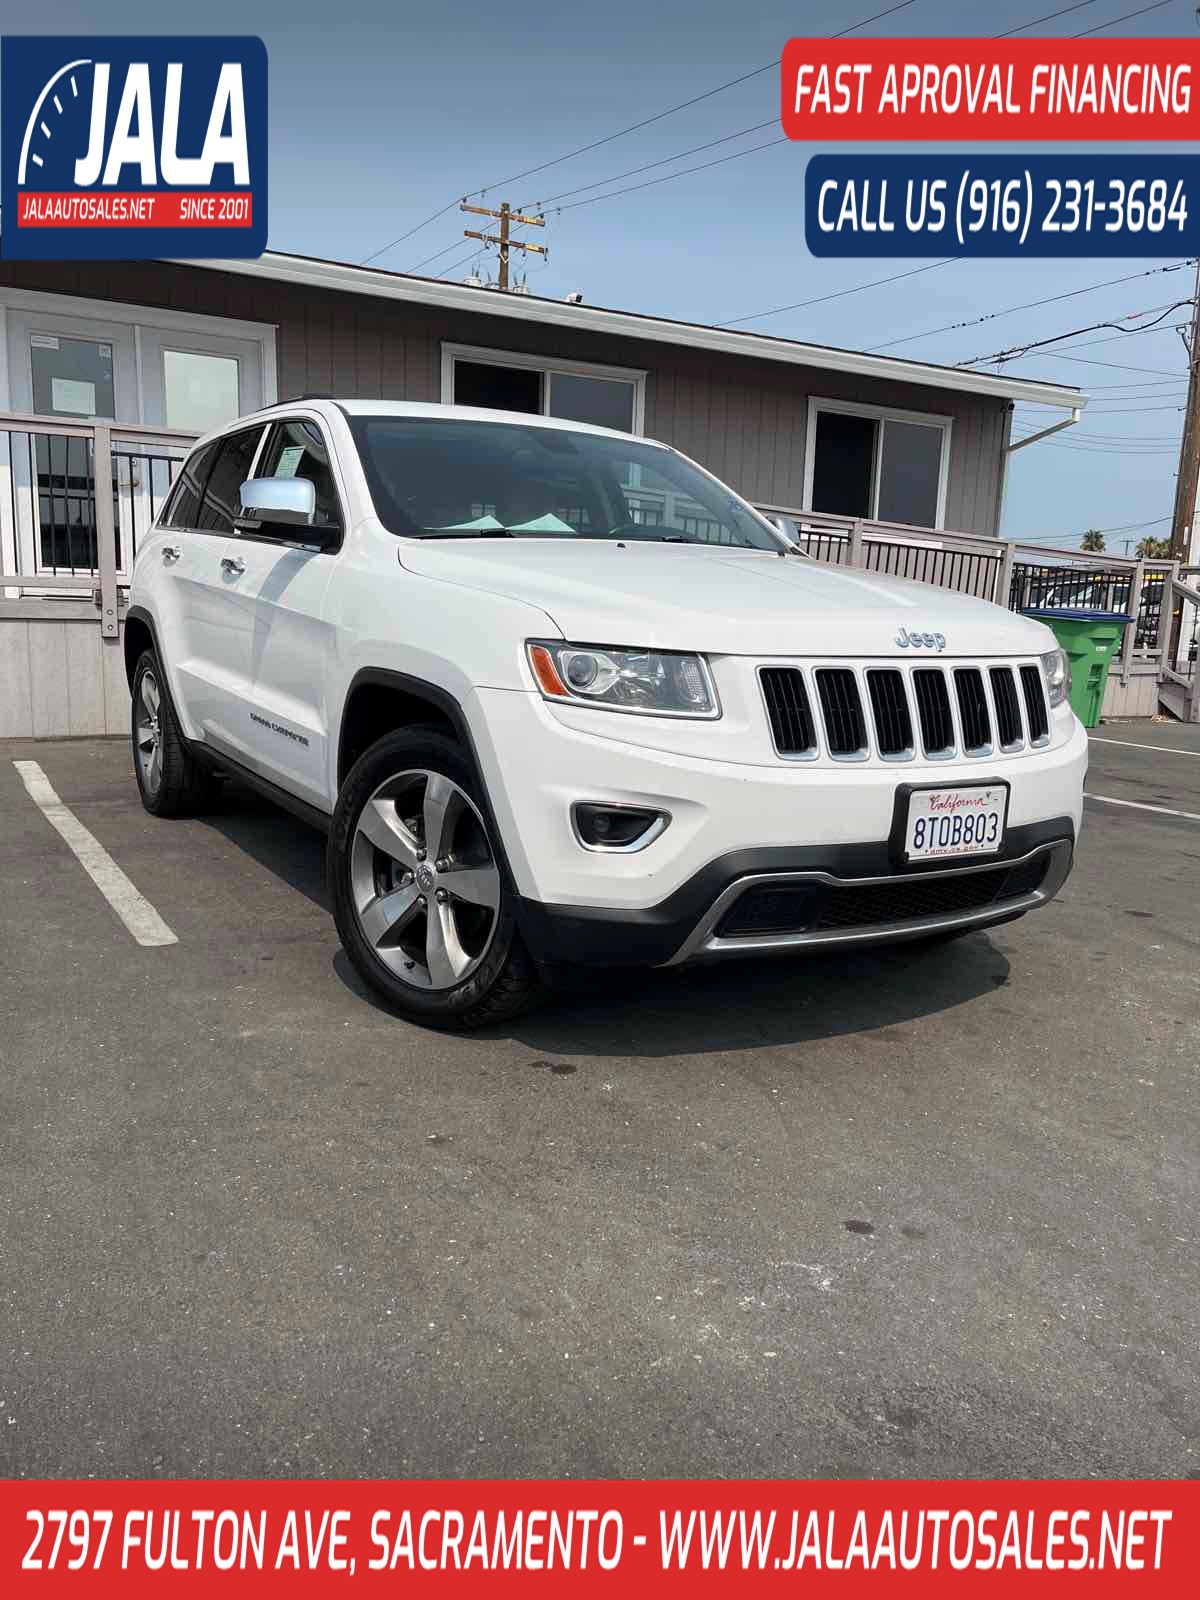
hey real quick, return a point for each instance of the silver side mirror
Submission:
(287, 501)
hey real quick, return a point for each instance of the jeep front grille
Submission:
(904, 713)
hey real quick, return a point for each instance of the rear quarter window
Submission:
(183, 505)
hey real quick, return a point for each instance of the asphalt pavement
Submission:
(927, 1212)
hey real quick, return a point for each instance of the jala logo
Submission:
(133, 147)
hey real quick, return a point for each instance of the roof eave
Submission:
(348, 279)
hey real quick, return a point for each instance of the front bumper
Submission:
(757, 901)
(737, 826)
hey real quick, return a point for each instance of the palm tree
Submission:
(1093, 540)
(1151, 549)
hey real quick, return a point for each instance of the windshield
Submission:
(453, 479)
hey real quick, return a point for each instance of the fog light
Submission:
(601, 827)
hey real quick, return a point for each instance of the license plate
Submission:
(966, 821)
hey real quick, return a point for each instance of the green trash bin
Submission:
(1090, 639)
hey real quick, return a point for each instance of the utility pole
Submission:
(505, 216)
(1189, 446)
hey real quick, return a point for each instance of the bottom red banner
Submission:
(493, 1538)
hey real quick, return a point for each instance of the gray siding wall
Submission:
(745, 419)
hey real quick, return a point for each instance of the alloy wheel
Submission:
(424, 880)
(148, 733)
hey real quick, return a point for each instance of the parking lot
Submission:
(928, 1212)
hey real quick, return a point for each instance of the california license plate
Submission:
(963, 821)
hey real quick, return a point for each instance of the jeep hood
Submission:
(720, 601)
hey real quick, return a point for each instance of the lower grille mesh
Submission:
(817, 907)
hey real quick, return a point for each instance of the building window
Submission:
(577, 391)
(201, 390)
(866, 461)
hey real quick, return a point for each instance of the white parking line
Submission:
(1138, 805)
(134, 910)
(1159, 749)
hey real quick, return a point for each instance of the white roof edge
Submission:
(312, 272)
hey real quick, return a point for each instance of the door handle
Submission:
(170, 552)
(234, 565)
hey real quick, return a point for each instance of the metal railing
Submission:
(1014, 574)
(75, 498)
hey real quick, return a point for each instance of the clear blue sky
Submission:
(381, 113)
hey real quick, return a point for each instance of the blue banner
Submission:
(1002, 205)
(133, 147)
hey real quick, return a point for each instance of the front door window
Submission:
(72, 377)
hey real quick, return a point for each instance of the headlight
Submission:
(654, 682)
(1056, 669)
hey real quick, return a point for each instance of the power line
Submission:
(374, 256)
(669, 177)
(1032, 305)
(633, 127)
(683, 105)
(1091, 361)
(1017, 351)
(1128, 17)
(1080, 5)
(873, 283)
(663, 161)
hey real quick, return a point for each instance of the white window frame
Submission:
(173, 328)
(855, 408)
(138, 335)
(547, 366)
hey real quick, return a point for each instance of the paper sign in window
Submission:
(73, 396)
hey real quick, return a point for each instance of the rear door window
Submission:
(222, 493)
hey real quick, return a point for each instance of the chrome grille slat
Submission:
(889, 707)
(1035, 704)
(1008, 708)
(933, 709)
(841, 708)
(789, 711)
(973, 710)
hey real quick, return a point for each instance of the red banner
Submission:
(165, 209)
(973, 89)
(673, 1538)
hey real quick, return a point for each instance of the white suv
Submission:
(559, 696)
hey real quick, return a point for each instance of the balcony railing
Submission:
(75, 498)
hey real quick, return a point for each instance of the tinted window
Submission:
(189, 486)
(222, 496)
(910, 471)
(459, 479)
(298, 450)
(844, 464)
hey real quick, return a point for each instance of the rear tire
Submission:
(172, 783)
(421, 895)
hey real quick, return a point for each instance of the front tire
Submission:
(171, 782)
(421, 896)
